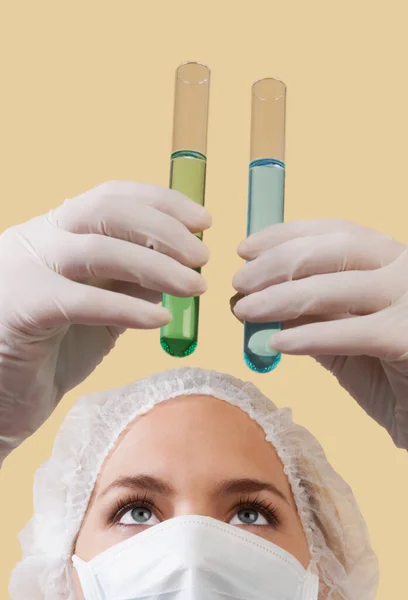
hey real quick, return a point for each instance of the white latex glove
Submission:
(56, 321)
(342, 292)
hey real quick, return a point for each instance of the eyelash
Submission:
(264, 507)
(122, 506)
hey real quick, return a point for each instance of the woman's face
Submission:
(193, 455)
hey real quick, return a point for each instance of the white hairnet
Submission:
(335, 530)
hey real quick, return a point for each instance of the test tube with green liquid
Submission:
(266, 193)
(187, 175)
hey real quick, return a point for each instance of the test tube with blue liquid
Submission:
(266, 193)
(187, 175)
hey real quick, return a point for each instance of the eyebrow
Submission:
(227, 487)
(140, 482)
(247, 486)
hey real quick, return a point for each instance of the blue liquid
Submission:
(265, 208)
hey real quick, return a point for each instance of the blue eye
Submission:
(139, 515)
(248, 516)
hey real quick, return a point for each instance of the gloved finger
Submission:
(129, 289)
(306, 319)
(303, 320)
(327, 253)
(279, 233)
(134, 222)
(346, 337)
(171, 202)
(108, 258)
(73, 303)
(352, 292)
(233, 300)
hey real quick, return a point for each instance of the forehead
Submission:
(194, 437)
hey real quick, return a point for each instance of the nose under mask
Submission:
(195, 558)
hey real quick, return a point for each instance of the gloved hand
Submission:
(342, 292)
(73, 280)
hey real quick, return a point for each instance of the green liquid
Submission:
(180, 336)
(265, 208)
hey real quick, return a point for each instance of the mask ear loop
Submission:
(311, 589)
(86, 578)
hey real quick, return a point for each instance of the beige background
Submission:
(86, 96)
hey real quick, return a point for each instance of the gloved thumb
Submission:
(353, 336)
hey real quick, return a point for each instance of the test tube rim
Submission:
(204, 81)
(275, 80)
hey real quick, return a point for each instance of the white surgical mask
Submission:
(195, 558)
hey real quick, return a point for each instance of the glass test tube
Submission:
(187, 175)
(265, 198)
